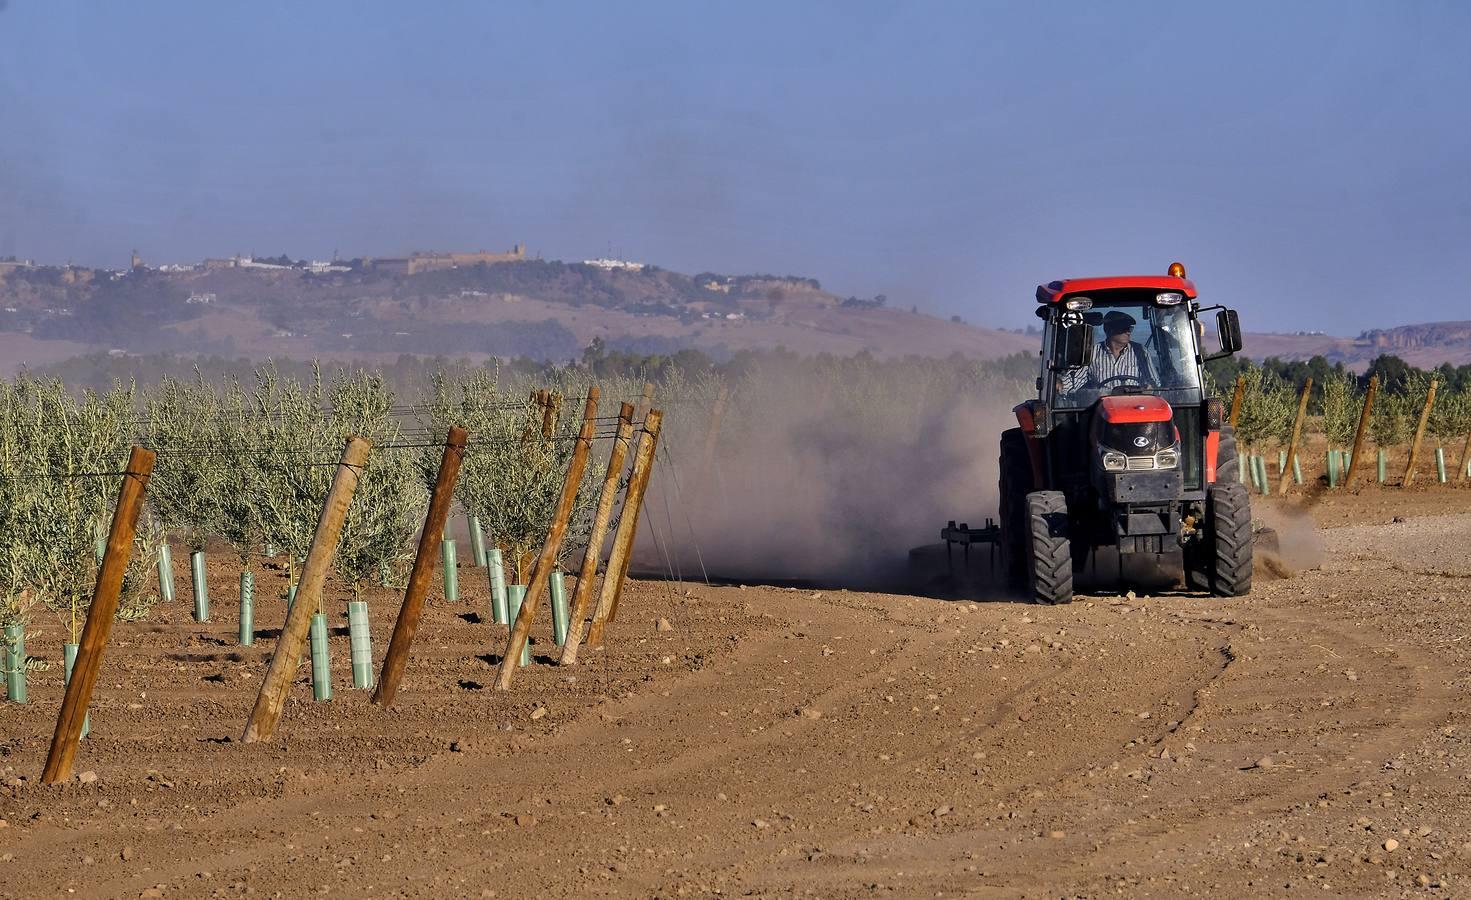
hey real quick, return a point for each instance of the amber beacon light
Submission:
(1176, 270)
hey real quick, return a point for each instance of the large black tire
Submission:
(1228, 465)
(1226, 551)
(1015, 484)
(1050, 560)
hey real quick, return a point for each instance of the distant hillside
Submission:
(543, 310)
(533, 308)
(1426, 346)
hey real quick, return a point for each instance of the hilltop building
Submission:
(415, 263)
(603, 262)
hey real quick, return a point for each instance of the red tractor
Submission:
(1121, 448)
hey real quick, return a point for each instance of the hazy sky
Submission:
(1309, 162)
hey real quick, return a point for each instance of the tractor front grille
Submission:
(1136, 463)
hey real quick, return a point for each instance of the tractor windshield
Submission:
(1138, 347)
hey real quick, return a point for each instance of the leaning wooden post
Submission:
(100, 615)
(287, 656)
(1236, 399)
(429, 542)
(589, 572)
(1419, 434)
(643, 464)
(541, 573)
(1353, 460)
(1465, 454)
(1302, 411)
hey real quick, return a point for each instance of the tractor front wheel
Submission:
(1050, 560)
(1225, 556)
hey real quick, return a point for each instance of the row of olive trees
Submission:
(59, 455)
(253, 464)
(1270, 405)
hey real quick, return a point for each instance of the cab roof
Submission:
(1053, 291)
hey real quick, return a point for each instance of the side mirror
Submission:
(1228, 329)
(1074, 346)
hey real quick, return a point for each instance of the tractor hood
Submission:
(1134, 410)
(1133, 432)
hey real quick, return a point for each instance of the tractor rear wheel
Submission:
(1228, 464)
(1016, 482)
(1050, 560)
(1225, 554)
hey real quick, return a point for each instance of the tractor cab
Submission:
(1121, 447)
(1121, 337)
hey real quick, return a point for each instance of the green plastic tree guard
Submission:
(165, 574)
(1440, 464)
(560, 612)
(15, 663)
(477, 541)
(1383, 465)
(270, 550)
(1282, 463)
(1242, 464)
(247, 608)
(498, 601)
(321, 663)
(201, 586)
(290, 597)
(1297, 469)
(1263, 483)
(451, 573)
(514, 595)
(360, 640)
(69, 660)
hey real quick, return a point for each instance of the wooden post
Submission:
(287, 656)
(1419, 434)
(1236, 399)
(100, 615)
(589, 572)
(645, 402)
(1465, 454)
(1353, 460)
(551, 406)
(1302, 411)
(643, 464)
(542, 571)
(429, 542)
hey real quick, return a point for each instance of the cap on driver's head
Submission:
(1117, 323)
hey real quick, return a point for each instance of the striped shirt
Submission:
(1127, 367)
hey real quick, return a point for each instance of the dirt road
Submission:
(795, 742)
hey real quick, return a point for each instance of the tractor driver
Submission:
(1117, 360)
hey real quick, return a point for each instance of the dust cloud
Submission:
(819, 480)
(1288, 543)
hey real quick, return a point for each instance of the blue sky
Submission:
(1310, 162)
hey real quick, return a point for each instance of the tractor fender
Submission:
(1026, 417)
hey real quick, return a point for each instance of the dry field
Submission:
(778, 742)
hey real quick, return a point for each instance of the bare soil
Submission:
(780, 742)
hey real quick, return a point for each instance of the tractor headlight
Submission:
(1167, 459)
(1080, 304)
(1113, 461)
(1169, 298)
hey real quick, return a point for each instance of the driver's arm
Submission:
(1075, 380)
